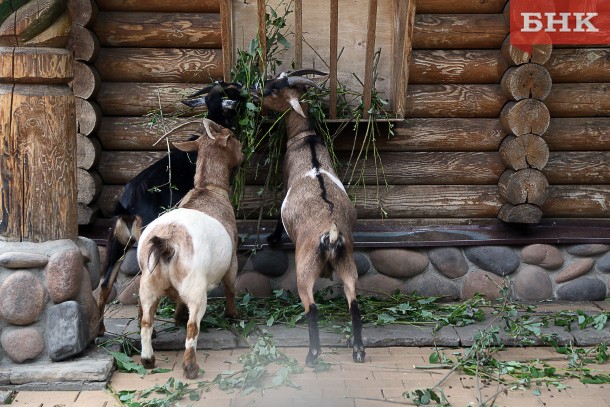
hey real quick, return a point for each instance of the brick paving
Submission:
(380, 381)
(388, 372)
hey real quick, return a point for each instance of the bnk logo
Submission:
(566, 22)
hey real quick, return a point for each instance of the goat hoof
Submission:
(191, 370)
(231, 315)
(359, 355)
(148, 363)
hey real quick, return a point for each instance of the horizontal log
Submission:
(578, 167)
(579, 100)
(118, 167)
(487, 66)
(435, 202)
(460, 7)
(416, 134)
(139, 99)
(402, 201)
(55, 36)
(164, 30)
(35, 65)
(159, 65)
(586, 133)
(579, 65)
(459, 31)
(32, 19)
(136, 133)
(454, 101)
(578, 201)
(182, 6)
(456, 66)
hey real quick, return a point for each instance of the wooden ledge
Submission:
(394, 235)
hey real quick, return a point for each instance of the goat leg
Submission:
(197, 305)
(357, 344)
(105, 290)
(314, 336)
(181, 314)
(275, 238)
(228, 283)
(146, 311)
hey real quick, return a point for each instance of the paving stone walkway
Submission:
(393, 364)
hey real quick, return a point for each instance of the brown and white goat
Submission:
(316, 212)
(188, 251)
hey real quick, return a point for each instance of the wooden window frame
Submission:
(403, 19)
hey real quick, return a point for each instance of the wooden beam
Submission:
(334, 40)
(262, 35)
(403, 44)
(226, 32)
(298, 34)
(371, 29)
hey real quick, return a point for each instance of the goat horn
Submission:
(207, 123)
(302, 72)
(298, 80)
(192, 125)
(296, 105)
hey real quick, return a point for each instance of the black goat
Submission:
(149, 193)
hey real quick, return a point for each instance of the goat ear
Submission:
(224, 137)
(187, 146)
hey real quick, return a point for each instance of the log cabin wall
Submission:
(443, 164)
(152, 53)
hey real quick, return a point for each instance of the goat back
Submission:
(185, 248)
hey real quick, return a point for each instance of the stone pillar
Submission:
(47, 309)
(37, 124)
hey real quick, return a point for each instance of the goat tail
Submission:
(332, 243)
(161, 250)
(123, 235)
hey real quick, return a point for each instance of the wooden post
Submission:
(226, 22)
(371, 30)
(334, 41)
(37, 130)
(262, 35)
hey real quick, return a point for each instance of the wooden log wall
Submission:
(86, 84)
(140, 58)
(37, 123)
(445, 161)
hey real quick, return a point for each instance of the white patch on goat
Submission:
(146, 337)
(190, 343)
(313, 174)
(211, 257)
(284, 203)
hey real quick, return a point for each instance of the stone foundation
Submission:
(47, 309)
(536, 272)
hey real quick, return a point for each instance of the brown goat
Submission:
(317, 213)
(188, 251)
